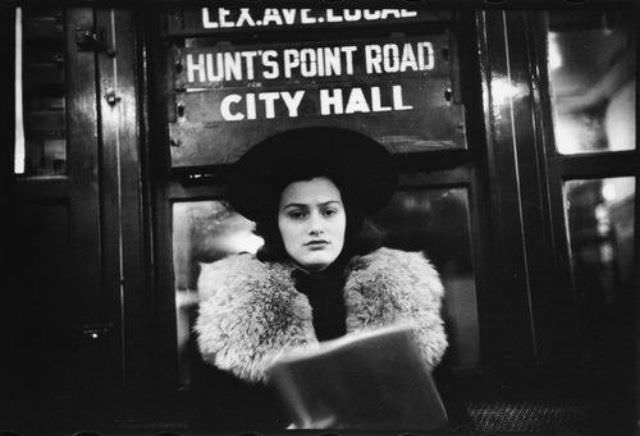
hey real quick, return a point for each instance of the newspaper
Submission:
(372, 380)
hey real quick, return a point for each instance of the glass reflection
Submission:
(600, 215)
(41, 146)
(591, 63)
(433, 221)
(436, 221)
(203, 231)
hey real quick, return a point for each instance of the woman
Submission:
(317, 277)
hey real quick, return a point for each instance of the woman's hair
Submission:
(361, 236)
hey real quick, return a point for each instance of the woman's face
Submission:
(312, 222)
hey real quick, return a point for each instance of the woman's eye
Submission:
(330, 212)
(296, 214)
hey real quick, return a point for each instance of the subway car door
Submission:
(72, 202)
(518, 178)
(206, 113)
(530, 225)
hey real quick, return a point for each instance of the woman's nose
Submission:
(316, 226)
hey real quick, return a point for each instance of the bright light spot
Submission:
(503, 90)
(242, 241)
(609, 192)
(19, 122)
(553, 50)
(570, 133)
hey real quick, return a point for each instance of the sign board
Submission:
(217, 19)
(227, 97)
(227, 66)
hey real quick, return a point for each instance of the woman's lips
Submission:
(316, 244)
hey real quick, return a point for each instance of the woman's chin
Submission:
(315, 266)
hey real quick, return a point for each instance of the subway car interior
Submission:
(513, 128)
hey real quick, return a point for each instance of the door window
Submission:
(592, 68)
(41, 146)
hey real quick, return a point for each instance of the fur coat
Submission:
(250, 311)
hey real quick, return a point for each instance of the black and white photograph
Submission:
(319, 217)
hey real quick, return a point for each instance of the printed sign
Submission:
(207, 20)
(225, 66)
(232, 105)
(414, 116)
(228, 96)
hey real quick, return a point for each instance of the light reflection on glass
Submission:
(436, 222)
(555, 58)
(600, 215)
(19, 110)
(591, 64)
(40, 107)
(503, 90)
(203, 231)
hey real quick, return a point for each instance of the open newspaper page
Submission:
(372, 380)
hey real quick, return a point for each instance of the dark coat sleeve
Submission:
(226, 403)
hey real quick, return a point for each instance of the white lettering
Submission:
(398, 104)
(245, 16)
(289, 16)
(386, 13)
(331, 103)
(352, 14)
(332, 63)
(271, 14)
(305, 18)
(206, 20)
(320, 60)
(222, 16)
(292, 102)
(308, 62)
(429, 63)
(192, 68)
(251, 106)
(371, 15)
(390, 58)
(376, 101)
(348, 51)
(331, 18)
(232, 66)
(291, 61)
(373, 58)
(269, 99)
(225, 106)
(408, 59)
(248, 57)
(272, 70)
(357, 102)
(214, 74)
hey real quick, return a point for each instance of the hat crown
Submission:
(361, 168)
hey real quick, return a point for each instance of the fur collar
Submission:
(250, 311)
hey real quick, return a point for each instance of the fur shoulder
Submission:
(405, 268)
(249, 312)
(237, 273)
(389, 286)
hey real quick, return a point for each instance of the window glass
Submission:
(41, 147)
(437, 223)
(600, 215)
(592, 69)
(203, 231)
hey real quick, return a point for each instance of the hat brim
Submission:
(363, 167)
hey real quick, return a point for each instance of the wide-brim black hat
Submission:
(362, 168)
